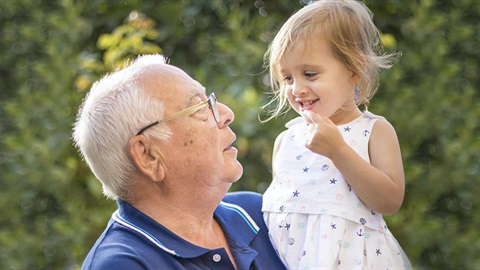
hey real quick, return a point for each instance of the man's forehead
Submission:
(166, 80)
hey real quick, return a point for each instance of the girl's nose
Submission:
(298, 89)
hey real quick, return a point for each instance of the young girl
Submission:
(336, 169)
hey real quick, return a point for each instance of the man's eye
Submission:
(201, 112)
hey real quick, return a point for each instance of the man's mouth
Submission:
(230, 146)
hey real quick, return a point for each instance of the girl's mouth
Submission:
(307, 105)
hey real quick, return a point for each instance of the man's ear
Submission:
(146, 158)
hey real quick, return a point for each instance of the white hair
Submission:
(114, 110)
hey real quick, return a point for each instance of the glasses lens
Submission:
(212, 101)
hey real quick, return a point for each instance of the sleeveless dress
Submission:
(314, 217)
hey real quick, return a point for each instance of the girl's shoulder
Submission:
(370, 115)
(295, 121)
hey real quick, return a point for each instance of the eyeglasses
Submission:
(211, 102)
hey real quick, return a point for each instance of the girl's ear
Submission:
(355, 77)
(146, 158)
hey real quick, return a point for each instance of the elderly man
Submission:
(163, 149)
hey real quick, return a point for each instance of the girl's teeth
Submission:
(305, 104)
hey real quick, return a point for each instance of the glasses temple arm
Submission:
(175, 115)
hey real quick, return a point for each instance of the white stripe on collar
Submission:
(116, 216)
(244, 215)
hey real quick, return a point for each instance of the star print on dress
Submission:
(305, 169)
(295, 193)
(347, 129)
(298, 157)
(287, 226)
(378, 252)
(333, 181)
(334, 226)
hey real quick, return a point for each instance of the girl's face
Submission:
(315, 80)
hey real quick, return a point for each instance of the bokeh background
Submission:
(52, 208)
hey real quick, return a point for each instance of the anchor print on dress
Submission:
(286, 226)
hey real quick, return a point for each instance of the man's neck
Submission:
(190, 217)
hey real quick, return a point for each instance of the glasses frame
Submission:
(211, 102)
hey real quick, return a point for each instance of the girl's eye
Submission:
(310, 74)
(288, 79)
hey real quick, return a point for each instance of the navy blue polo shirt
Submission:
(133, 240)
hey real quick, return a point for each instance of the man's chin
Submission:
(238, 174)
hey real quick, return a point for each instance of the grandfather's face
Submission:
(200, 151)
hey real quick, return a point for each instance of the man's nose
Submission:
(226, 115)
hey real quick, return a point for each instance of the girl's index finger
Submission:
(311, 117)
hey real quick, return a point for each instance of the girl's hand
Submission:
(323, 136)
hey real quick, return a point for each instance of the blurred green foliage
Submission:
(52, 208)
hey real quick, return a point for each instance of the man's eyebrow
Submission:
(193, 94)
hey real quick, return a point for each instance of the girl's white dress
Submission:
(315, 219)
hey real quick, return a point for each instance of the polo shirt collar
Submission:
(233, 219)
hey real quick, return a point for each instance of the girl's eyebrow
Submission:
(304, 67)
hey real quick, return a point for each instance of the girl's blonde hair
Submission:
(348, 27)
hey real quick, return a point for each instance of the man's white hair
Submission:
(114, 110)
